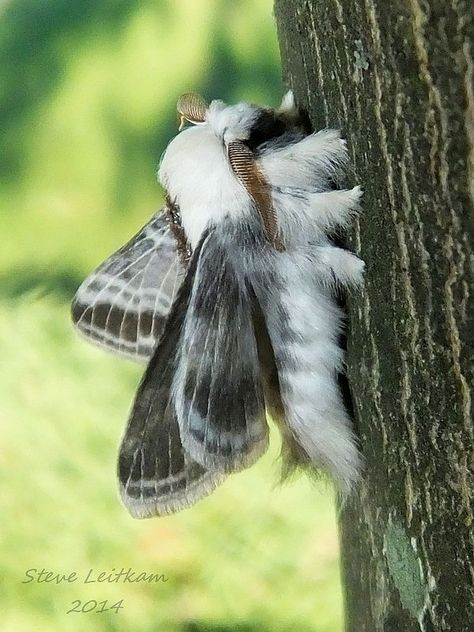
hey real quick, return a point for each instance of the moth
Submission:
(229, 294)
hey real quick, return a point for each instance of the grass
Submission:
(250, 557)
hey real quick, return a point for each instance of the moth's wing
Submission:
(217, 387)
(123, 305)
(156, 475)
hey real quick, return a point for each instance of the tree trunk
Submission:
(397, 77)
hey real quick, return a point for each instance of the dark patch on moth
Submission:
(129, 324)
(99, 315)
(197, 390)
(223, 398)
(339, 240)
(174, 220)
(80, 311)
(267, 125)
(146, 323)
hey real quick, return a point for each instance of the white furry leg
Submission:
(332, 209)
(310, 164)
(345, 266)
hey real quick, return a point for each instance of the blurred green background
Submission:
(87, 104)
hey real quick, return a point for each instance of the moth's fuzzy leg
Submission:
(346, 268)
(313, 163)
(288, 107)
(333, 209)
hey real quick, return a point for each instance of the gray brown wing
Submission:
(157, 476)
(218, 389)
(123, 305)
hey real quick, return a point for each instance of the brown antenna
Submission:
(191, 107)
(245, 167)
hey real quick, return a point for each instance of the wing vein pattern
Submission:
(123, 305)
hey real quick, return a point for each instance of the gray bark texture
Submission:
(397, 77)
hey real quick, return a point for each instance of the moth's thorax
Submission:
(195, 172)
(231, 122)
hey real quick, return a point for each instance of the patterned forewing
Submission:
(123, 305)
(218, 386)
(156, 475)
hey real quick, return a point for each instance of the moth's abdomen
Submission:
(309, 367)
(304, 323)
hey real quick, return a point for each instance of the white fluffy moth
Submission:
(230, 295)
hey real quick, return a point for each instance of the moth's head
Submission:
(216, 152)
(216, 133)
(244, 122)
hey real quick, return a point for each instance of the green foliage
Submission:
(87, 104)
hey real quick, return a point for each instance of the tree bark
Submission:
(397, 77)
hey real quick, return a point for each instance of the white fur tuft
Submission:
(309, 164)
(288, 105)
(195, 172)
